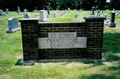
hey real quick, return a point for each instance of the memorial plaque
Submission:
(62, 40)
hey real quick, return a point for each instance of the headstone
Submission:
(117, 13)
(98, 13)
(25, 11)
(104, 15)
(13, 25)
(27, 15)
(93, 10)
(61, 14)
(65, 12)
(80, 11)
(76, 16)
(18, 9)
(35, 15)
(48, 10)
(68, 10)
(55, 15)
(74, 10)
(58, 11)
(1, 13)
(43, 15)
(52, 15)
(7, 11)
(112, 20)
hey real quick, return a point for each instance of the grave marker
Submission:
(7, 11)
(27, 15)
(43, 15)
(13, 25)
(93, 10)
(112, 20)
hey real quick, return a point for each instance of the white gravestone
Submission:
(62, 40)
(13, 25)
(43, 15)
(27, 15)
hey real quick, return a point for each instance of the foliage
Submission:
(58, 4)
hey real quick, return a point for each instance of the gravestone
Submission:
(55, 15)
(76, 16)
(35, 15)
(80, 11)
(7, 11)
(104, 15)
(98, 13)
(43, 15)
(68, 10)
(74, 10)
(112, 20)
(27, 15)
(13, 25)
(117, 13)
(58, 11)
(48, 10)
(52, 15)
(61, 14)
(65, 12)
(18, 9)
(93, 8)
(1, 13)
(25, 11)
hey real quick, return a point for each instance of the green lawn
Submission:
(11, 53)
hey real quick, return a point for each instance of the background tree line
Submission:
(58, 4)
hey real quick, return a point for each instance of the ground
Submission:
(11, 53)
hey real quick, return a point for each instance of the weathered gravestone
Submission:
(7, 11)
(48, 10)
(43, 15)
(18, 9)
(1, 13)
(93, 8)
(52, 15)
(55, 15)
(13, 25)
(27, 15)
(68, 10)
(98, 13)
(76, 16)
(112, 20)
(74, 10)
(65, 12)
(117, 13)
(58, 11)
(80, 11)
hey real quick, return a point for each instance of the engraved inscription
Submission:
(62, 40)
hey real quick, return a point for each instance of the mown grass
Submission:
(11, 53)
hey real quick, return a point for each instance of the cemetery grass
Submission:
(11, 54)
